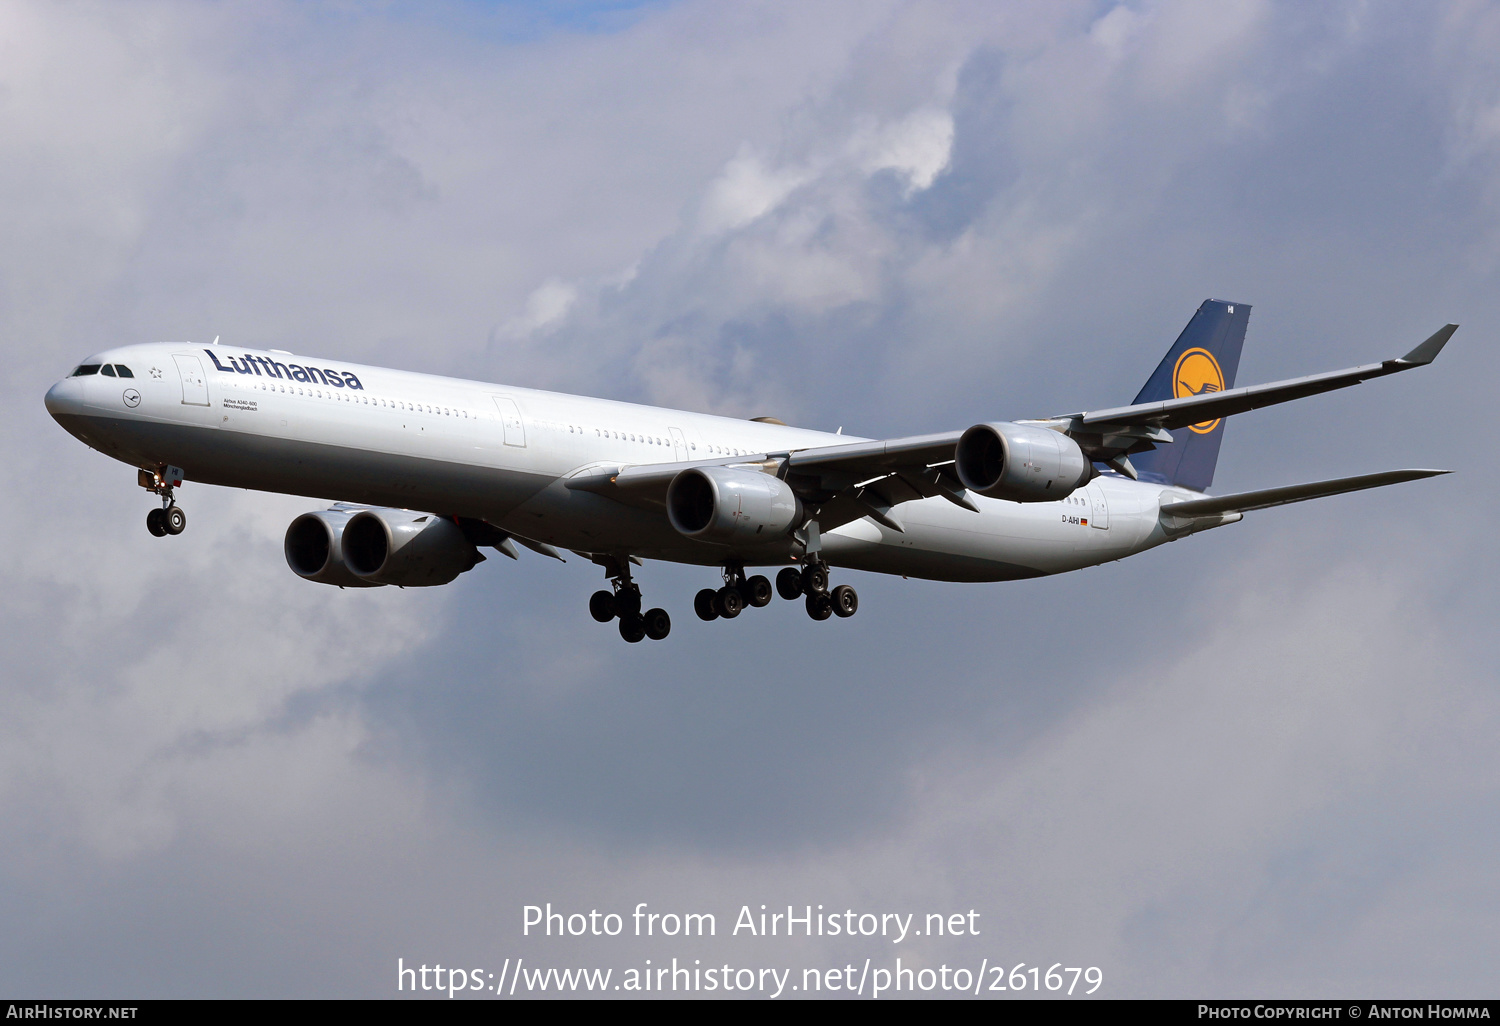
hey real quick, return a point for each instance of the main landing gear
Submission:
(624, 604)
(737, 593)
(169, 519)
(809, 582)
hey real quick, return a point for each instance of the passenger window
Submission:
(107, 370)
(123, 371)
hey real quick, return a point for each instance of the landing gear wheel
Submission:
(174, 519)
(789, 583)
(704, 605)
(602, 606)
(757, 591)
(628, 602)
(156, 522)
(845, 601)
(814, 579)
(632, 628)
(729, 602)
(819, 607)
(657, 624)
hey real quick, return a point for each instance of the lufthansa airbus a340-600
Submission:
(423, 471)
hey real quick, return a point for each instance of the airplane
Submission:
(423, 471)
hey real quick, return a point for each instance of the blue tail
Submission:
(1204, 359)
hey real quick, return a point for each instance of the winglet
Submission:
(1427, 351)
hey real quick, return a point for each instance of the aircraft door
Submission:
(1098, 508)
(679, 445)
(510, 419)
(194, 384)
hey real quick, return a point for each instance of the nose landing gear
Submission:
(624, 604)
(169, 519)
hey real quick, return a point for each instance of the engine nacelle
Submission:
(729, 506)
(314, 549)
(1020, 463)
(398, 546)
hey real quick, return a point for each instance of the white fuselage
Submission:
(276, 422)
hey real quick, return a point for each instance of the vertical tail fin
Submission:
(1204, 358)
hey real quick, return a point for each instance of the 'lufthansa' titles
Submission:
(264, 366)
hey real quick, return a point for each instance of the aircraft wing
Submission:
(1243, 502)
(869, 478)
(847, 482)
(1176, 413)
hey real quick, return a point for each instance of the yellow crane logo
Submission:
(1197, 373)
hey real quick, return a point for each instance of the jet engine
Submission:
(1020, 463)
(314, 549)
(728, 505)
(398, 546)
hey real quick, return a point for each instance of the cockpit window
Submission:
(84, 370)
(108, 370)
(123, 371)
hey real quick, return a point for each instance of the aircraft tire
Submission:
(628, 602)
(156, 522)
(632, 628)
(174, 519)
(814, 579)
(729, 602)
(819, 607)
(758, 591)
(602, 606)
(705, 606)
(789, 583)
(845, 601)
(657, 624)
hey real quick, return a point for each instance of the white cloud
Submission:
(918, 147)
(547, 305)
(1116, 28)
(746, 191)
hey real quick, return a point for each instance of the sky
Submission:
(1257, 762)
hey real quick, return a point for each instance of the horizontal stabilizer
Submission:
(1243, 502)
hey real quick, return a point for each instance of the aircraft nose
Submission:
(65, 398)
